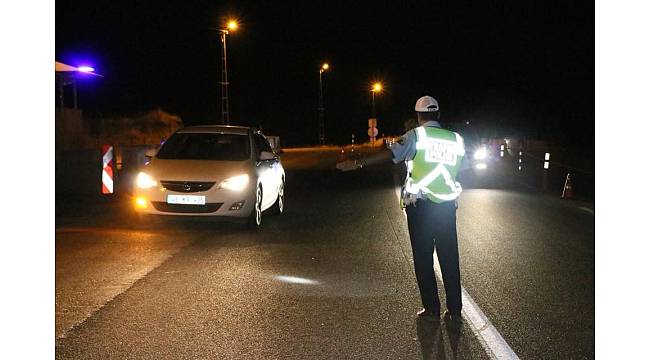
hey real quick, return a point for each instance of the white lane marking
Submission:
(586, 209)
(398, 188)
(489, 337)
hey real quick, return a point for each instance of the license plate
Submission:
(186, 199)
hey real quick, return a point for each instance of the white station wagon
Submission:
(228, 171)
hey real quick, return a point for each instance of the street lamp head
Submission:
(377, 87)
(325, 66)
(232, 25)
(85, 69)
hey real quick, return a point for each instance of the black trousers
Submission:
(433, 226)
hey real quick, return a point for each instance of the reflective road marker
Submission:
(493, 343)
(107, 169)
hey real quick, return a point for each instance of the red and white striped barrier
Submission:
(107, 169)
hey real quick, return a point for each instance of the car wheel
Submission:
(278, 208)
(255, 218)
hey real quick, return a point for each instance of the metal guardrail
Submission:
(549, 175)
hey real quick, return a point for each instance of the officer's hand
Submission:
(347, 165)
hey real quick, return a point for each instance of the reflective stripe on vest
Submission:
(438, 156)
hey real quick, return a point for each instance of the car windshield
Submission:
(206, 146)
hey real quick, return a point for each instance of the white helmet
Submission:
(426, 104)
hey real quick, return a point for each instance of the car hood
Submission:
(196, 170)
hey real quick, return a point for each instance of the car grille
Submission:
(184, 208)
(187, 186)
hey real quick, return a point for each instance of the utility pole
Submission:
(225, 116)
(231, 25)
(321, 105)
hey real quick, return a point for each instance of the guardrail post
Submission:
(107, 169)
(547, 162)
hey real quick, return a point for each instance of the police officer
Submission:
(433, 157)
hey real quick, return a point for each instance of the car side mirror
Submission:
(266, 155)
(149, 154)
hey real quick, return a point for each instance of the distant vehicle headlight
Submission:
(235, 183)
(480, 154)
(144, 181)
(481, 166)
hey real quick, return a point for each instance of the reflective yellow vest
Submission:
(433, 170)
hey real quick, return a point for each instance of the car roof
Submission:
(218, 129)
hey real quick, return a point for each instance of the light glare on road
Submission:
(296, 280)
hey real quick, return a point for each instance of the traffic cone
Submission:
(567, 193)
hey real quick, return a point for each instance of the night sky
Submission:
(513, 67)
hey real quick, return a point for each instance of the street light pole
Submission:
(321, 105)
(374, 114)
(74, 93)
(225, 111)
(225, 116)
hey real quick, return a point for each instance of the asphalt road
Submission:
(331, 278)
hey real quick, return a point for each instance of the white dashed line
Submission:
(493, 343)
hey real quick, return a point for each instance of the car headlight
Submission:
(480, 154)
(235, 183)
(144, 181)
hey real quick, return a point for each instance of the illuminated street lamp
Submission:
(231, 25)
(68, 75)
(85, 69)
(321, 106)
(377, 87)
